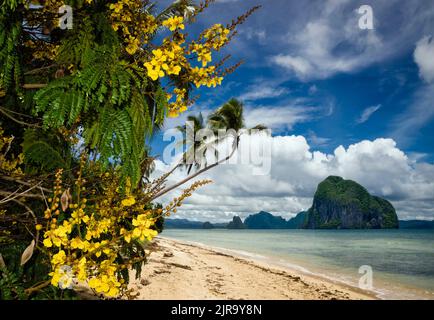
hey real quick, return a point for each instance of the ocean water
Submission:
(402, 261)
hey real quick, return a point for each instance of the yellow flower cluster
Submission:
(165, 61)
(43, 50)
(127, 202)
(57, 235)
(217, 36)
(143, 226)
(174, 23)
(9, 164)
(205, 77)
(135, 24)
(173, 56)
(180, 105)
(203, 53)
(106, 284)
(92, 230)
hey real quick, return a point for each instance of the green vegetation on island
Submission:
(345, 204)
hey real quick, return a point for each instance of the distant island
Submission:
(337, 204)
(345, 204)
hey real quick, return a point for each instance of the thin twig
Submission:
(13, 195)
(3, 110)
(23, 182)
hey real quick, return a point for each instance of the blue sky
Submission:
(310, 71)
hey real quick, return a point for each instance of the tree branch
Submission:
(9, 196)
(28, 184)
(33, 215)
(4, 111)
(38, 287)
(40, 69)
(34, 85)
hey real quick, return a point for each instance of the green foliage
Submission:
(6, 5)
(44, 152)
(108, 97)
(390, 219)
(228, 116)
(159, 223)
(14, 278)
(345, 192)
(11, 288)
(10, 66)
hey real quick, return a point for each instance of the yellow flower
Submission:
(174, 70)
(77, 243)
(143, 225)
(116, 7)
(127, 235)
(48, 243)
(61, 278)
(174, 23)
(59, 258)
(79, 215)
(127, 202)
(133, 45)
(106, 284)
(81, 269)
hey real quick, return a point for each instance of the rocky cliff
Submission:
(345, 204)
(265, 220)
(236, 223)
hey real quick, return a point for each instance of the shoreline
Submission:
(271, 262)
(188, 270)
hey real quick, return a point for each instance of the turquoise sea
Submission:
(402, 261)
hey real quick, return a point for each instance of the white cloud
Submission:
(301, 66)
(421, 109)
(326, 39)
(322, 48)
(407, 124)
(367, 113)
(279, 118)
(295, 172)
(317, 141)
(254, 33)
(261, 91)
(424, 57)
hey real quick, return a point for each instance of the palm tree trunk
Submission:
(194, 175)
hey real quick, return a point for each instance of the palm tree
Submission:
(229, 117)
(189, 131)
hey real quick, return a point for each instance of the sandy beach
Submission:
(181, 270)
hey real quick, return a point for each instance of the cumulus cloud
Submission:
(295, 172)
(367, 113)
(424, 57)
